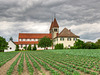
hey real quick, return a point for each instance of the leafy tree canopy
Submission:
(45, 42)
(3, 44)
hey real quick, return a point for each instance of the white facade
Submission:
(11, 47)
(65, 41)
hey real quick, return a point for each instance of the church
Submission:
(65, 36)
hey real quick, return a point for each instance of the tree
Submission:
(17, 48)
(25, 48)
(45, 42)
(90, 45)
(3, 44)
(34, 48)
(98, 43)
(29, 47)
(11, 38)
(79, 44)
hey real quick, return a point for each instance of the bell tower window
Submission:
(55, 30)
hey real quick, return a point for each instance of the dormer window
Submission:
(55, 30)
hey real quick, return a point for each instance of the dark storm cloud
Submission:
(68, 13)
(86, 11)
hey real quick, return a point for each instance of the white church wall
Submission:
(11, 47)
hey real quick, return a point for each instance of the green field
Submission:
(54, 62)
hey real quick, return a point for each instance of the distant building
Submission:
(66, 37)
(11, 46)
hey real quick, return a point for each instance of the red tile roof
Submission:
(33, 36)
(26, 42)
(54, 24)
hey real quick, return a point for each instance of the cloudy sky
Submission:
(35, 16)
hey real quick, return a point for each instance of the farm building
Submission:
(65, 36)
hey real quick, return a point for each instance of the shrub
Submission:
(59, 46)
(29, 47)
(34, 48)
(17, 48)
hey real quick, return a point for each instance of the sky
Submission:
(82, 17)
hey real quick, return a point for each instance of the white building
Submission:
(65, 36)
(11, 46)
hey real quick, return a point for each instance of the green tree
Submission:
(29, 47)
(45, 42)
(79, 44)
(17, 48)
(3, 44)
(34, 48)
(90, 45)
(98, 43)
(25, 47)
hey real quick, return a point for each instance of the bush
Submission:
(17, 48)
(59, 46)
(25, 48)
(34, 48)
(29, 47)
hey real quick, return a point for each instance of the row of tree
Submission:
(79, 44)
(27, 48)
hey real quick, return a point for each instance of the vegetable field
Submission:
(51, 62)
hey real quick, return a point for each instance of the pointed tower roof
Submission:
(67, 33)
(54, 24)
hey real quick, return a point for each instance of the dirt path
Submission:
(43, 69)
(36, 71)
(25, 69)
(6, 66)
(15, 72)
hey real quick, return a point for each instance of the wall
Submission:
(66, 43)
(11, 47)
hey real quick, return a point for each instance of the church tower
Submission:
(54, 28)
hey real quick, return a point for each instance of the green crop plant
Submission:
(10, 70)
(29, 66)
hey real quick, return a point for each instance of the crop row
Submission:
(63, 60)
(5, 57)
(53, 72)
(10, 70)
(29, 66)
(20, 65)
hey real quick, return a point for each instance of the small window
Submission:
(30, 39)
(74, 39)
(68, 39)
(25, 39)
(55, 29)
(61, 39)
